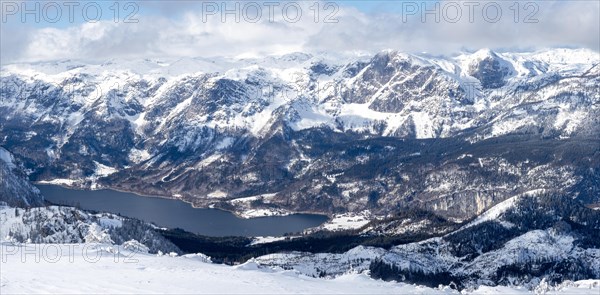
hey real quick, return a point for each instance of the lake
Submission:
(175, 213)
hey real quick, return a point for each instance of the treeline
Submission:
(232, 250)
(554, 269)
(481, 238)
(134, 229)
(390, 272)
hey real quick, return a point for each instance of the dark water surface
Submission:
(175, 213)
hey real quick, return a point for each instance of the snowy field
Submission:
(95, 268)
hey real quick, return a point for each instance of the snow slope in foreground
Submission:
(83, 272)
(87, 268)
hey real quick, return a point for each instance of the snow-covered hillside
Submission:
(100, 268)
(522, 241)
(57, 224)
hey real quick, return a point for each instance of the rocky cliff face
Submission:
(314, 133)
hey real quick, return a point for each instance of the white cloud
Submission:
(178, 32)
(559, 23)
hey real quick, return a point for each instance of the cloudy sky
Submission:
(102, 30)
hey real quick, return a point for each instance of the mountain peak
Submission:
(484, 53)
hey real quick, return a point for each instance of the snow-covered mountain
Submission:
(319, 133)
(390, 93)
